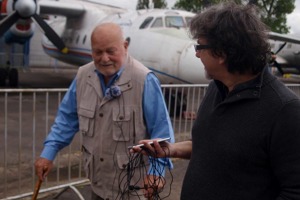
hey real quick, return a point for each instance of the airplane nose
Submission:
(190, 67)
(25, 8)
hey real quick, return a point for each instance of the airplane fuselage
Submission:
(158, 38)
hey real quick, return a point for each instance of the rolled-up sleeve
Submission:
(157, 120)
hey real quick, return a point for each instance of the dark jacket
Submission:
(246, 145)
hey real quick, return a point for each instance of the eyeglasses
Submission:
(198, 47)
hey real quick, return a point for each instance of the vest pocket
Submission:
(86, 121)
(135, 171)
(88, 163)
(122, 125)
(122, 161)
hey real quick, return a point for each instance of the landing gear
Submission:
(3, 75)
(13, 77)
(176, 102)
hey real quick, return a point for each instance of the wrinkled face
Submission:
(213, 65)
(109, 53)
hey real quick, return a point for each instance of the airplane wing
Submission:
(61, 8)
(284, 37)
(69, 9)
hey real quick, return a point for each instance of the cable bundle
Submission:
(136, 167)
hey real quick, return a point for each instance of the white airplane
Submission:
(158, 38)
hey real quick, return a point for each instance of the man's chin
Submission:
(207, 76)
(106, 66)
(107, 70)
(108, 74)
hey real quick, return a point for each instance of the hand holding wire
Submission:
(154, 182)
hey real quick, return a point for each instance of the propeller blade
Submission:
(281, 47)
(51, 34)
(7, 22)
(277, 65)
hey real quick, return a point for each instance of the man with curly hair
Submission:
(246, 138)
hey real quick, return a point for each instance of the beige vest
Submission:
(110, 126)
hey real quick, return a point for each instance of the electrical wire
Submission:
(135, 171)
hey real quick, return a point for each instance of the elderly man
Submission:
(114, 102)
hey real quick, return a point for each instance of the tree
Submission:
(191, 5)
(144, 4)
(196, 5)
(159, 3)
(273, 12)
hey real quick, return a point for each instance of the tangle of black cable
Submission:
(137, 167)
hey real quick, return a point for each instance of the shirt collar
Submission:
(111, 81)
(255, 83)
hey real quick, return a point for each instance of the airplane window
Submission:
(146, 22)
(188, 20)
(77, 39)
(84, 38)
(157, 23)
(174, 21)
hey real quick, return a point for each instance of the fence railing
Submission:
(26, 116)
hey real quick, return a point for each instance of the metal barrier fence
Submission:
(26, 116)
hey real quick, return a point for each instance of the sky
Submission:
(293, 19)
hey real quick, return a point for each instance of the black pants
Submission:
(95, 196)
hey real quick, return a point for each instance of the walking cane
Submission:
(36, 189)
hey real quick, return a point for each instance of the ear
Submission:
(126, 44)
(222, 58)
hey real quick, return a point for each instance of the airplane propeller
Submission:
(274, 61)
(8, 21)
(25, 9)
(50, 33)
(280, 48)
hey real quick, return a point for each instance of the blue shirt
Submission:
(66, 123)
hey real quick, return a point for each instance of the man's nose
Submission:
(105, 57)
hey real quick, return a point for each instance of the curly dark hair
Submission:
(236, 31)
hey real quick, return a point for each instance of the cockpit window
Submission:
(157, 23)
(174, 21)
(168, 21)
(188, 20)
(146, 22)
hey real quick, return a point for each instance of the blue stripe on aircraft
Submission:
(168, 75)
